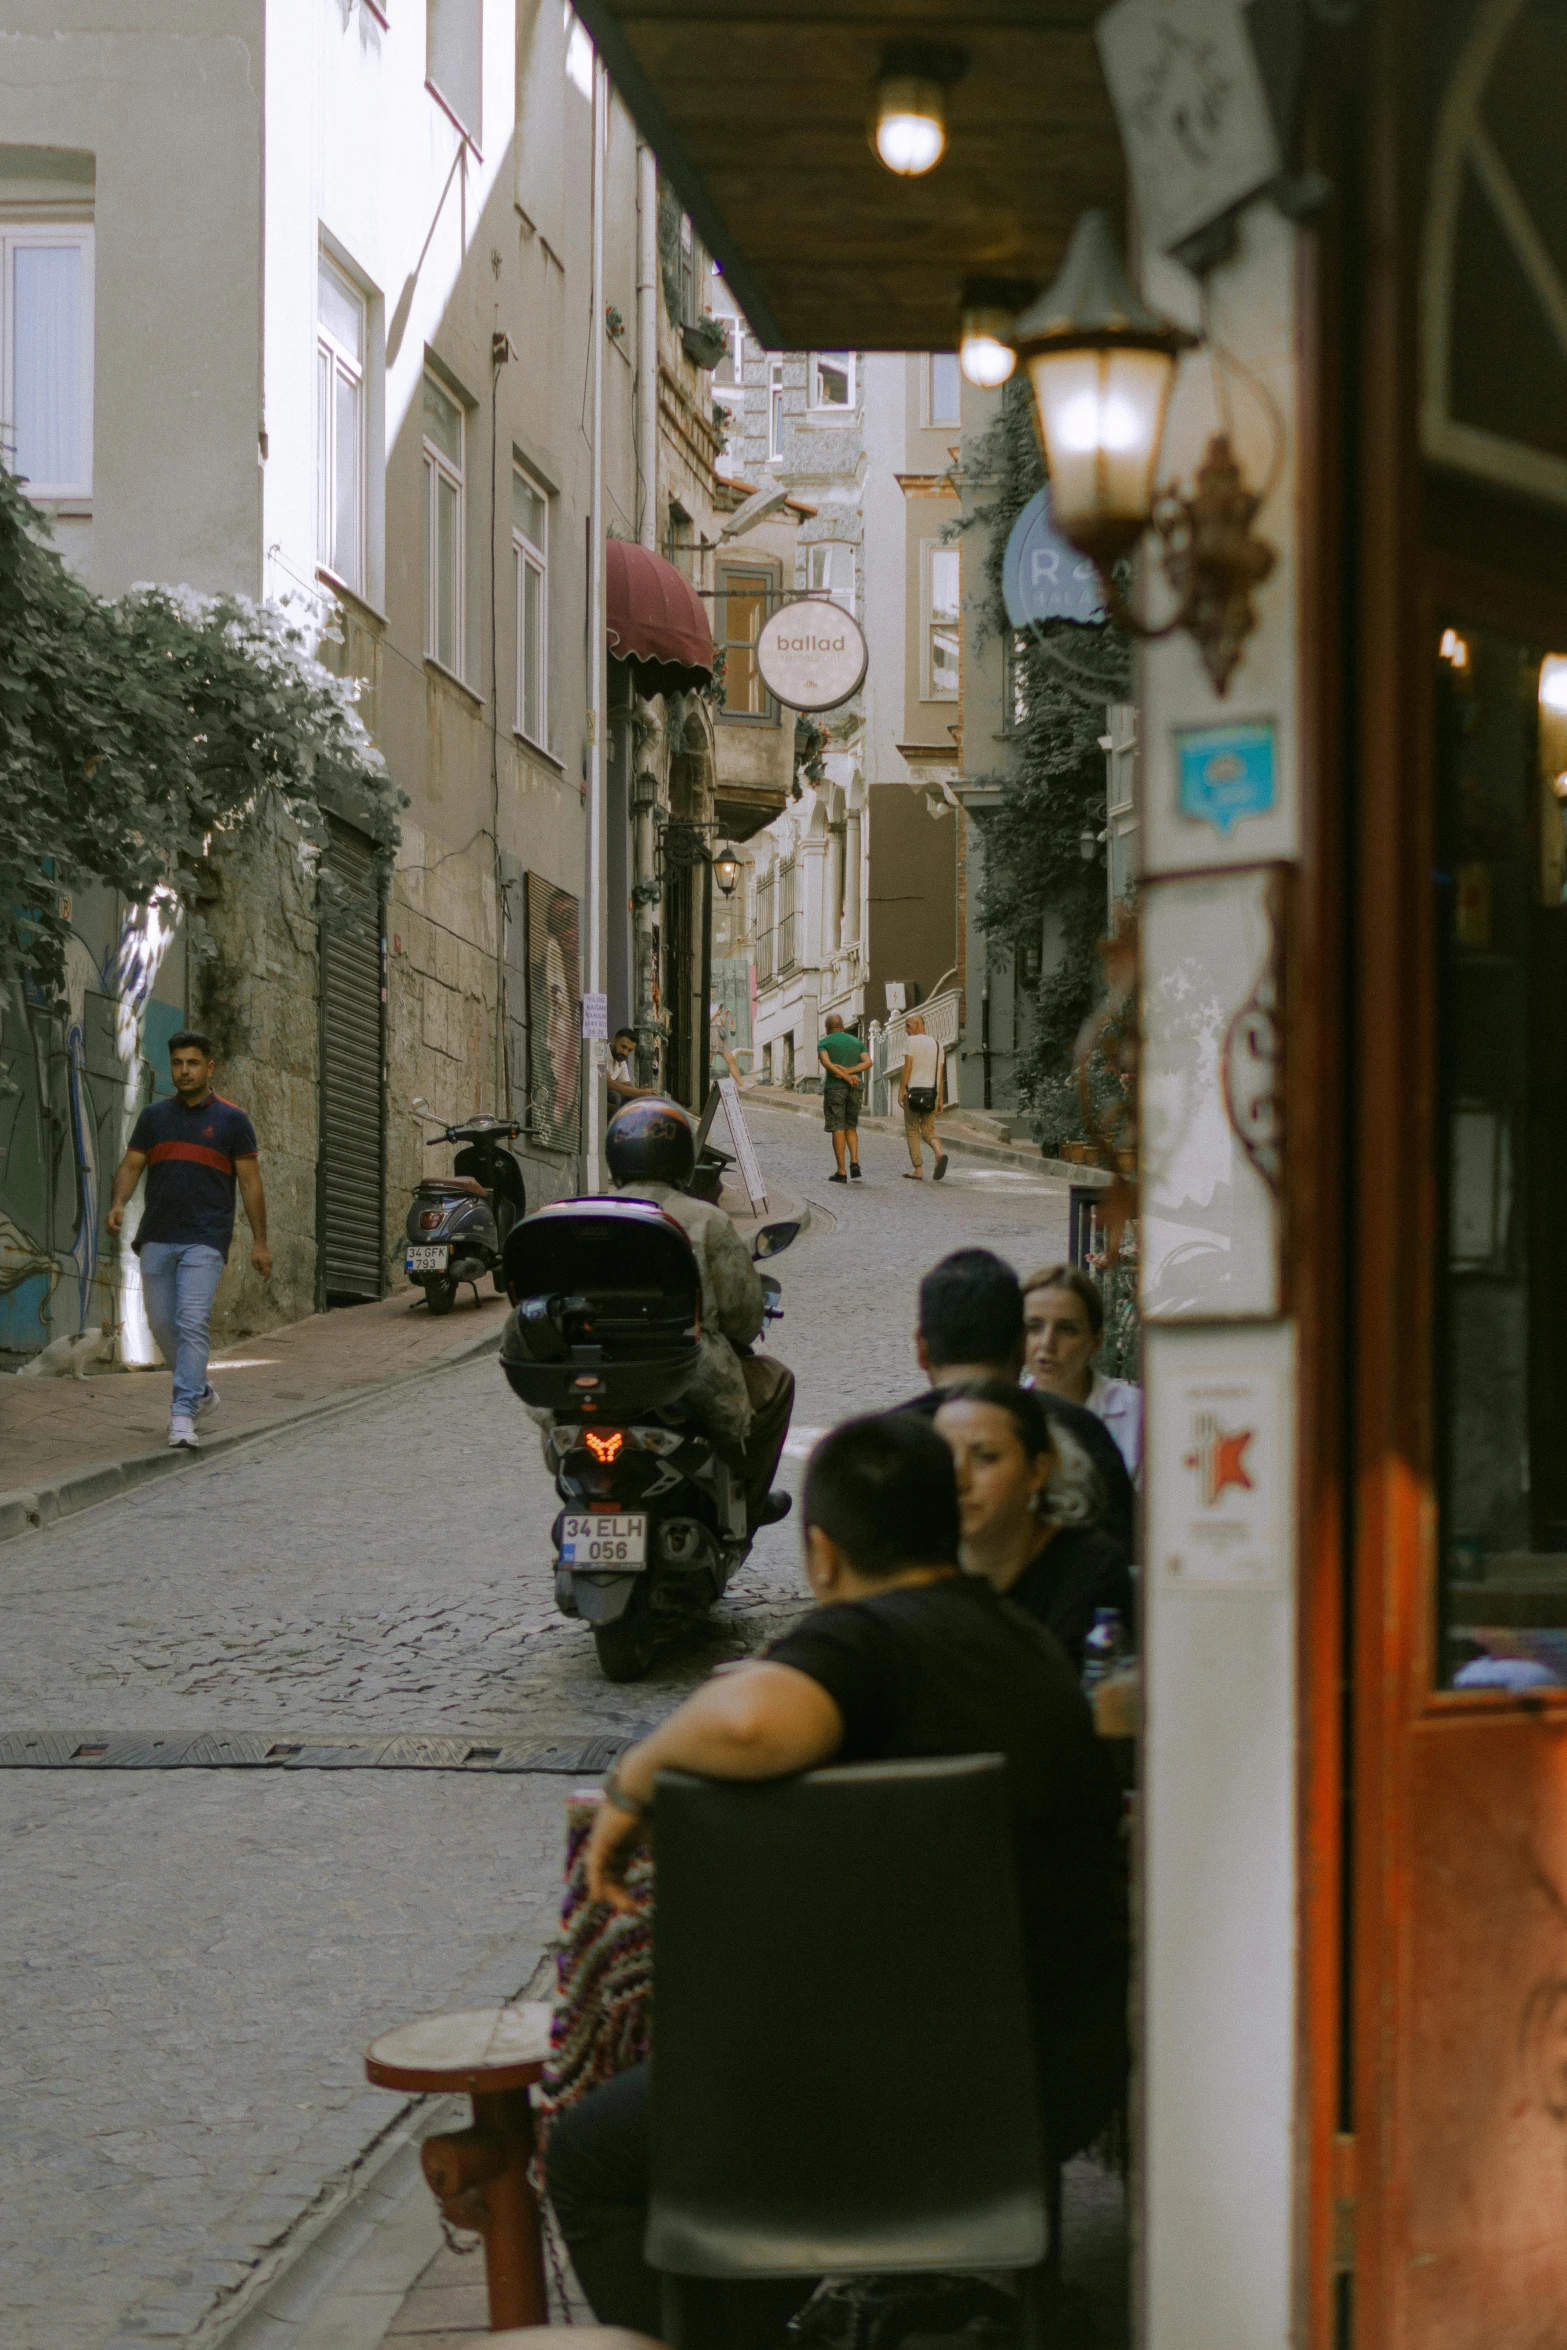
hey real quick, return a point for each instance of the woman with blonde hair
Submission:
(1063, 1331)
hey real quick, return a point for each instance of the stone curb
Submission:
(27, 1512)
(997, 1154)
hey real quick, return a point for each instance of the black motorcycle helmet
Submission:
(650, 1141)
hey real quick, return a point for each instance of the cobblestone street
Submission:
(198, 1956)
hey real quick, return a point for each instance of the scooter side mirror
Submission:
(773, 1239)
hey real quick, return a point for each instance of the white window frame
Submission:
(529, 557)
(438, 467)
(817, 404)
(932, 420)
(775, 390)
(341, 366)
(735, 580)
(843, 597)
(458, 104)
(14, 236)
(932, 549)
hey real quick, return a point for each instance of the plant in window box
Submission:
(810, 741)
(615, 324)
(706, 340)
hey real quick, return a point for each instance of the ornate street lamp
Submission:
(726, 870)
(1100, 366)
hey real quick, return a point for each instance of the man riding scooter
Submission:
(743, 1399)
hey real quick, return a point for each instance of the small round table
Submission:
(479, 2176)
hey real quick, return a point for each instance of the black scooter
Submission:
(458, 1223)
(653, 1521)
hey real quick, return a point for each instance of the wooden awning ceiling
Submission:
(758, 113)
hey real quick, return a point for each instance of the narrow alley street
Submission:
(200, 1955)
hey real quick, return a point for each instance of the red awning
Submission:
(654, 617)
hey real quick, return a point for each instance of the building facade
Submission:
(851, 895)
(337, 362)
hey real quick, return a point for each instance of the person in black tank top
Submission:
(903, 1656)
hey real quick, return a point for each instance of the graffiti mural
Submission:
(554, 1013)
(75, 1069)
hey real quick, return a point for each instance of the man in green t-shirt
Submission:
(842, 1060)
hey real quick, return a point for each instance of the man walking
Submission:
(842, 1060)
(195, 1147)
(921, 1092)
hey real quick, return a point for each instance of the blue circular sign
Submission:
(1042, 578)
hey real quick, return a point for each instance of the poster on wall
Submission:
(1212, 1096)
(1220, 1459)
(554, 1021)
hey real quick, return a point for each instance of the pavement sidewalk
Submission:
(68, 1443)
(973, 1134)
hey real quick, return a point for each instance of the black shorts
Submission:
(840, 1106)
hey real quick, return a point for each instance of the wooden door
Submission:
(1453, 2041)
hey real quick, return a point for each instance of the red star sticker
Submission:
(1229, 1463)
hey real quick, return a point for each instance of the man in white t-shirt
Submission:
(920, 1097)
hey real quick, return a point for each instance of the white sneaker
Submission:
(209, 1402)
(182, 1432)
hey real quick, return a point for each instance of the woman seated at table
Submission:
(1063, 1331)
(999, 1436)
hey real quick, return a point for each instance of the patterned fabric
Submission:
(603, 1974)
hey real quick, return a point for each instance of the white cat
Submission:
(69, 1357)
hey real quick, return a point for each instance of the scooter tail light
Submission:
(429, 1218)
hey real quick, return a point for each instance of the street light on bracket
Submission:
(1101, 366)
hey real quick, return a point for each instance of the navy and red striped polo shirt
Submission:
(190, 1157)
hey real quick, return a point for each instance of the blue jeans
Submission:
(179, 1284)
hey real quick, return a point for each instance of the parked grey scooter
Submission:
(458, 1223)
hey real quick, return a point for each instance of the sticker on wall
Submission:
(1226, 773)
(1211, 1100)
(1219, 1445)
(1192, 109)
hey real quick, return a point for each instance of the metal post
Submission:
(592, 1171)
(704, 1025)
(647, 346)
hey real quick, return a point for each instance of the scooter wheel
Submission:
(625, 1647)
(442, 1296)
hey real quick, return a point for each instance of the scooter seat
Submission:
(469, 1185)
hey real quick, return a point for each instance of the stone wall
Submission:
(255, 994)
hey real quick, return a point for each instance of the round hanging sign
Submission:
(812, 655)
(1042, 578)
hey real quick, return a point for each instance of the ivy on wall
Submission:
(136, 733)
(1037, 881)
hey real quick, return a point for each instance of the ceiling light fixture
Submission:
(909, 131)
(985, 321)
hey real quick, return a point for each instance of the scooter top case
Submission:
(609, 1306)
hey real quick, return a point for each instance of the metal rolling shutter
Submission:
(351, 1173)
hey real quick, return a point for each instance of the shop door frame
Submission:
(1417, 548)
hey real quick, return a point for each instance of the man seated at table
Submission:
(902, 1656)
(971, 1327)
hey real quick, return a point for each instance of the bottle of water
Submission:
(1105, 1648)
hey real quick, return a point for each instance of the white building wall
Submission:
(165, 97)
(1220, 1875)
